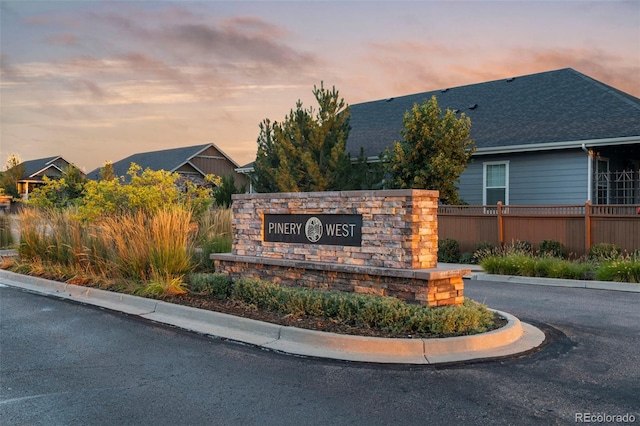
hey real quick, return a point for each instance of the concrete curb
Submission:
(557, 282)
(516, 337)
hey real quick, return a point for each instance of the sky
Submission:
(96, 81)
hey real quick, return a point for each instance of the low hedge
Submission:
(369, 311)
(627, 270)
(528, 266)
(621, 269)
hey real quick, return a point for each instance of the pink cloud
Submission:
(412, 67)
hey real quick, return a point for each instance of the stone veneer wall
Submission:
(397, 257)
(430, 287)
(399, 227)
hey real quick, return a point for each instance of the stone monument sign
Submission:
(380, 242)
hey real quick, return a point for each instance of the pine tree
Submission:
(223, 192)
(267, 161)
(307, 151)
(362, 174)
(434, 151)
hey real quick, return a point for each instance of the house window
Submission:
(496, 183)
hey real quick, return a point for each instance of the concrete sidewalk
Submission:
(516, 337)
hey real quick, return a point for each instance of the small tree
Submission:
(267, 160)
(434, 151)
(148, 191)
(307, 151)
(107, 171)
(13, 172)
(61, 192)
(362, 174)
(222, 193)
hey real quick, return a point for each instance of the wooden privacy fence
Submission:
(578, 227)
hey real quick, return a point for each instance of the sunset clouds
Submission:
(96, 81)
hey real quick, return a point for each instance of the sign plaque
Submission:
(331, 229)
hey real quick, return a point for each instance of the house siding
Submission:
(50, 172)
(61, 163)
(470, 185)
(212, 161)
(187, 169)
(551, 177)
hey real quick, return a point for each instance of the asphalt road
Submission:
(62, 363)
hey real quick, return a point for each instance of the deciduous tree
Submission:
(13, 172)
(148, 191)
(434, 151)
(61, 192)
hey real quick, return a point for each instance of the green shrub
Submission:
(215, 285)
(627, 271)
(529, 266)
(214, 236)
(65, 191)
(524, 247)
(385, 313)
(261, 294)
(553, 248)
(483, 249)
(467, 258)
(513, 264)
(604, 251)
(448, 251)
(206, 248)
(145, 231)
(559, 268)
(147, 190)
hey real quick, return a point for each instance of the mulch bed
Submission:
(306, 322)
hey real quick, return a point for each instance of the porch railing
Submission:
(618, 187)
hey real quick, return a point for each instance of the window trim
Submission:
(484, 180)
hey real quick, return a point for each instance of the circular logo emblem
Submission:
(313, 229)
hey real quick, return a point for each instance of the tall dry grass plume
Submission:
(53, 236)
(155, 248)
(215, 224)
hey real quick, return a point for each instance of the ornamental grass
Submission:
(156, 250)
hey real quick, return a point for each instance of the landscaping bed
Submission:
(305, 322)
(346, 313)
(604, 262)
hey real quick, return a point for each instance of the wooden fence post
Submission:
(500, 224)
(587, 226)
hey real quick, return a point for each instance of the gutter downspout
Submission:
(589, 171)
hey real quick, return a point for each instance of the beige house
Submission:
(36, 170)
(192, 162)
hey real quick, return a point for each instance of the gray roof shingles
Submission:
(168, 159)
(554, 106)
(33, 166)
